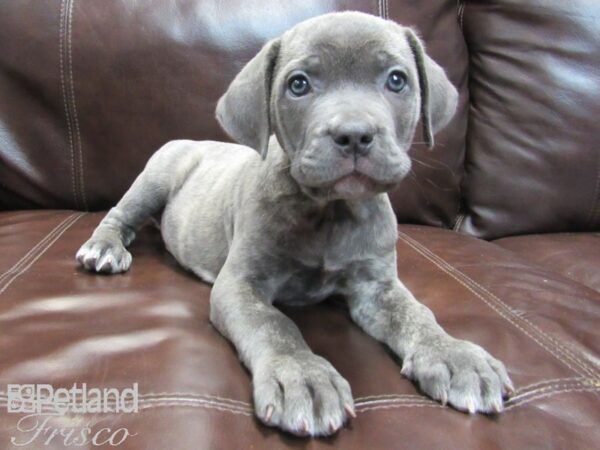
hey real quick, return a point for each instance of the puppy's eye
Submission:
(396, 81)
(299, 85)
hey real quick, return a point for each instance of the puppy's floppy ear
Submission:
(438, 96)
(244, 110)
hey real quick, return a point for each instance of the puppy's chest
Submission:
(317, 267)
(328, 249)
(321, 256)
(307, 284)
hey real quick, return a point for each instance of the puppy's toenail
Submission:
(444, 399)
(304, 429)
(471, 406)
(332, 427)
(405, 370)
(349, 410)
(269, 413)
(510, 390)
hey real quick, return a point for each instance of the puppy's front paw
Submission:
(459, 373)
(104, 255)
(302, 394)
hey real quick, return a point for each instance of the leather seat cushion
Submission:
(61, 325)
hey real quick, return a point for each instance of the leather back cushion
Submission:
(533, 150)
(90, 89)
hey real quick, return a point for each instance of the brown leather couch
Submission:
(498, 235)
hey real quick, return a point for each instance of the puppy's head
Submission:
(343, 93)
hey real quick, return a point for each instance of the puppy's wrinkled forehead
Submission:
(347, 46)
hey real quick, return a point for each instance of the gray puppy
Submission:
(342, 93)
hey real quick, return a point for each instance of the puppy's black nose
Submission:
(354, 138)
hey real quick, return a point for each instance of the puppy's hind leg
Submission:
(105, 251)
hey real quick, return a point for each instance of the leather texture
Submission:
(574, 255)
(533, 158)
(61, 325)
(89, 90)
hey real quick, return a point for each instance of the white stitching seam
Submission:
(461, 13)
(362, 404)
(521, 390)
(151, 395)
(382, 9)
(61, 45)
(526, 391)
(31, 252)
(550, 388)
(196, 403)
(57, 232)
(78, 145)
(200, 405)
(191, 404)
(174, 397)
(401, 405)
(189, 395)
(459, 221)
(387, 396)
(473, 287)
(551, 394)
(149, 403)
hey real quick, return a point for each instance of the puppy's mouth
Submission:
(354, 185)
(355, 181)
(349, 178)
(359, 185)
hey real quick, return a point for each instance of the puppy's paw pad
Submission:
(303, 395)
(461, 374)
(104, 256)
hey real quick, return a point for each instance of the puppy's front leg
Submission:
(293, 388)
(447, 369)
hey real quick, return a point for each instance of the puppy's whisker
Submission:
(418, 161)
(435, 164)
(417, 181)
(441, 145)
